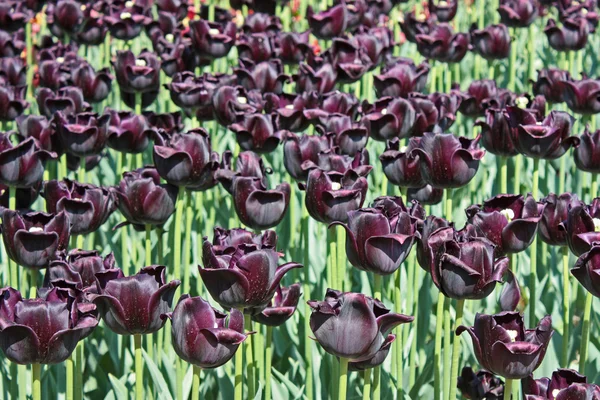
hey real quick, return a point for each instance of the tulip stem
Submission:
(460, 305)
(533, 256)
(377, 293)
(78, 380)
(249, 358)
(81, 172)
(566, 306)
(187, 253)
(412, 362)
(518, 162)
(70, 383)
(448, 211)
(437, 352)
(594, 190)
(268, 360)
(12, 266)
(177, 236)
(343, 381)
(512, 61)
(367, 384)
(307, 331)
(447, 346)
(585, 332)
(508, 388)
(139, 367)
(504, 175)
(239, 370)
(29, 61)
(148, 244)
(196, 382)
(36, 379)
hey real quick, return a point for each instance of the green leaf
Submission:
(119, 387)
(159, 380)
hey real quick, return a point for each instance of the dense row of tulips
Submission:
(227, 133)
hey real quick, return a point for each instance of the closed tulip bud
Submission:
(549, 84)
(587, 154)
(203, 336)
(78, 270)
(430, 225)
(12, 102)
(212, 40)
(413, 24)
(352, 325)
(83, 134)
(65, 18)
(133, 305)
(293, 47)
(251, 271)
(401, 169)
(43, 330)
(389, 119)
(401, 79)
(496, 134)
(34, 239)
(492, 42)
(266, 76)
(504, 347)
(256, 47)
(572, 36)
(329, 23)
(95, 86)
(518, 13)
(321, 78)
(281, 308)
(13, 72)
(509, 221)
(555, 212)
(442, 44)
(256, 132)
(427, 115)
(482, 385)
(445, 11)
(128, 132)
(582, 97)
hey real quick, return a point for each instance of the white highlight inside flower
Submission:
(403, 149)
(336, 185)
(242, 100)
(384, 111)
(596, 224)
(213, 31)
(538, 123)
(513, 335)
(140, 62)
(555, 392)
(35, 229)
(129, 4)
(169, 37)
(443, 3)
(125, 15)
(508, 214)
(82, 7)
(522, 102)
(290, 106)
(60, 60)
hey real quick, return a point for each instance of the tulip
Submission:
(293, 47)
(400, 169)
(389, 118)
(43, 330)
(12, 102)
(128, 132)
(337, 102)
(126, 23)
(175, 7)
(587, 154)
(582, 226)
(95, 86)
(34, 239)
(256, 47)
(231, 104)
(329, 23)
(442, 44)
(492, 42)
(13, 16)
(137, 75)
(546, 388)
(82, 134)
(256, 132)
(377, 44)
(504, 347)
(168, 122)
(87, 206)
(579, 9)
(133, 305)
(93, 29)
(496, 134)
(262, 22)
(226, 241)
(355, 13)
(582, 96)
(447, 161)
(281, 308)
(401, 79)
(518, 13)
(320, 78)
(24, 197)
(203, 336)
(331, 160)
(247, 277)
(377, 360)
(143, 200)
(556, 210)
(78, 270)
(295, 112)
(22, 165)
(413, 25)
(11, 45)
(193, 94)
(427, 195)
(427, 115)
(350, 137)
(65, 18)
(68, 99)
(379, 238)
(549, 84)
(482, 385)
(572, 36)
(510, 296)
(510, 222)
(266, 76)
(13, 72)
(430, 225)
(480, 96)
(248, 164)
(330, 195)
(351, 325)
(445, 11)
(212, 40)
(350, 60)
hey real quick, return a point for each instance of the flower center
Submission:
(129, 4)
(125, 15)
(513, 335)
(213, 31)
(508, 214)
(522, 102)
(421, 17)
(140, 62)
(60, 60)
(169, 37)
(242, 100)
(384, 111)
(35, 229)
(290, 106)
(443, 3)
(336, 185)
(82, 7)
(596, 224)
(403, 149)
(555, 392)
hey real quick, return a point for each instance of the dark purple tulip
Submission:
(587, 155)
(445, 11)
(212, 40)
(504, 347)
(231, 104)
(293, 47)
(549, 389)
(83, 134)
(518, 13)
(509, 221)
(262, 22)
(582, 97)
(202, 335)
(401, 79)
(572, 36)
(377, 360)
(331, 160)
(256, 132)
(329, 23)
(22, 165)
(43, 330)
(586, 269)
(377, 44)
(496, 134)
(389, 118)
(349, 59)
(93, 29)
(379, 238)
(94, 85)
(510, 296)
(55, 74)
(351, 137)
(447, 161)
(192, 93)
(337, 102)
(582, 226)
(143, 199)
(430, 225)
(463, 266)
(355, 12)
(64, 18)
(330, 195)
(13, 71)
(446, 104)
(137, 74)
(482, 385)
(78, 270)
(281, 308)
(585, 9)
(126, 23)
(128, 132)
(87, 206)
(549, 139)
(426, 195)
(246, 276)
(320, 78)
(295, 113)
(352, 325)
(556, 211)
(413, 25)
(168, 122)
(266, 76)
(12, 102)
(301, 154)
(480, 95)
(11, 45)
(248, 164)
(492, 42)
(177, 8)
(579, 391)
(133, 305)
(261, 6)
(256, 47)
(69, 100)
(226, 241)
(14, 15)
(427, 115)
(442, 44)
(186, 159)
(34, 239)
(401, 169)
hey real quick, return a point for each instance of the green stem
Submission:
(437, 351)
(566, 307)
(447, 346)
(307, 331)
(33, 280)
(36, 380)
(594, 190)
(585, 332)
(341, 257)
(148, 244)
(448, 211)
(138, 103)
(64, 172)
(81, 172)
(29, 60)
(531, 52)
(533, 256)
(79, 360)
(400, 332)
(516, 389)
(249, 358)
(508, 388)
(139, 367)
(562, 175)
(433, 80)
(187, 253)
(367, 384)
(239, 371)
(512, 61)
(177, 236)
(377, 293)
(343, 379)
(196, 382)
(268, 361)
(412, 362)
(69, 385)
(12, 266)
(460, 305)
(503, 175)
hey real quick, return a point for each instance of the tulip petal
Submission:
(385, 253)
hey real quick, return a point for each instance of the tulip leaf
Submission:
(295, 391)
(118, 387)
(157, 378)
